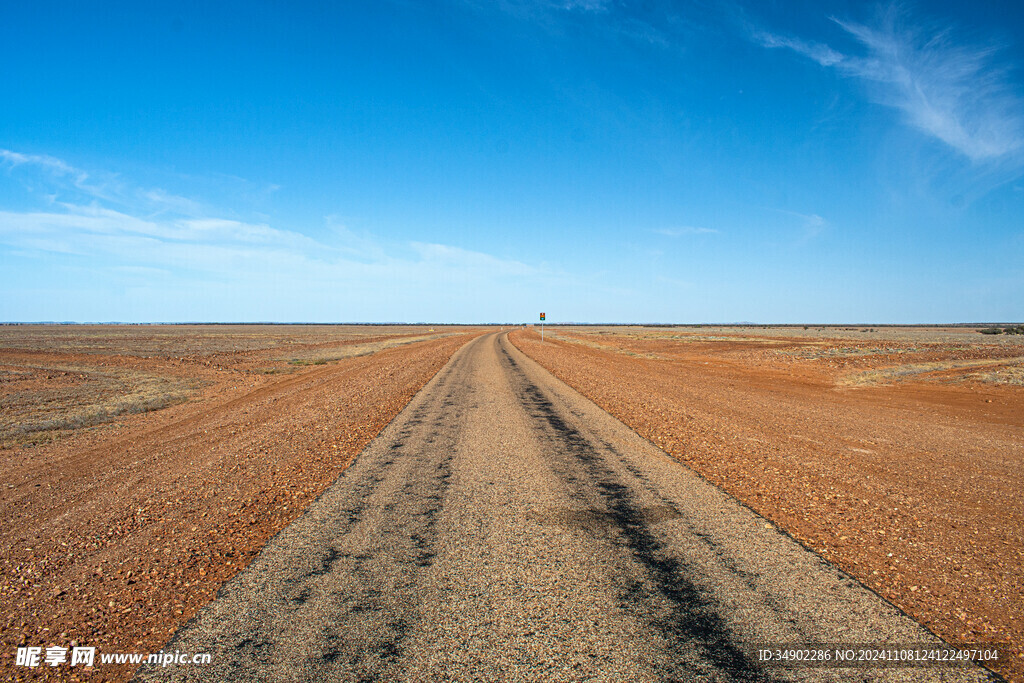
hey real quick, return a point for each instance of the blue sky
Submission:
(473, 161)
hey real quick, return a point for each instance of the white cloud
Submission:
(956, 93)
(47, 162)
(587, 5)
(822, 54)
(69, 183)
(811, 224)
(211, 243)
(808, 219)
(647, 23)
(471, 260)
(252, 270)
(165, 201)
(59, 172)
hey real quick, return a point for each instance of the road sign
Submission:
(542, 316)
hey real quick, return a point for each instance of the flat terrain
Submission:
(143, 466)
(896, 453)
(56, 379)
(503, 527)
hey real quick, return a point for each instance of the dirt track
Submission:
(505, 528)
(115, 536)
(913, 486)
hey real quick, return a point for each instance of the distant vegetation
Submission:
(1019, 329)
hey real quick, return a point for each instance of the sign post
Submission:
(542, 327)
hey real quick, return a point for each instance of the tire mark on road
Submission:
(694, 620)
(411, 537)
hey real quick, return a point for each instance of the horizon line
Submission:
(13, 323)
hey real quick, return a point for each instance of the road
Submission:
(503, 527)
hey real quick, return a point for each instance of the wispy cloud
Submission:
(811, 224)
(684, 230)
(586, 5)
(94, 231)
(654, 22)
(958, 93)
(469, 260)
(820, 53)
(809, 219)
(150, 240)
(58, 171)
(256, 265)
(56, 165)
(66, 182)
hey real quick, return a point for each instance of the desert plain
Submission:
(893, 452)
(144, 466)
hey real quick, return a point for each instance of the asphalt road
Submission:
(505, 528)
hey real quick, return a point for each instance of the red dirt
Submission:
(913, 488)
(115, 536)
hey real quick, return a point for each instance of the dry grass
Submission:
(1011, 373)
(813, 333)
(37, 403)
(55, 379)
(173, 341)
(1007, 375)
(847, 356)
(329, 354)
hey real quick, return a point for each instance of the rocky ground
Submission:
(895, 454)
(120, 522)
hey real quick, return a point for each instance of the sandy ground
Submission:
(895, 454)
(123, 512)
